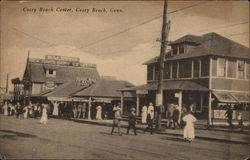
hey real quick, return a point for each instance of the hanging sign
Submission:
(142, 91)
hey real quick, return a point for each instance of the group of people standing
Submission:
(28, 111)
(148, 119)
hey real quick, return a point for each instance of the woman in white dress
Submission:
(44, 117)
(188, 134)
(55, 110)
(99, 112)
(144, 115)
(25, 110)
(5, 109)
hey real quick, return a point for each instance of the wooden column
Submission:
(89, 112)
(209, 122)
(180, 104)
(137, 104)
(122, 99)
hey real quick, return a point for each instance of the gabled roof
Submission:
(211, 44)
(63, 73)
(105, 88)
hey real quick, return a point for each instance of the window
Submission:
(50, 73)
(247, 70)
(221, 69)
(185, 69)
(150, 72)
(231, 68)
(181, 49)
(205, 66)
(174, 70)
(157, 71)
(175, 50)
(214, 66)
(167, 68)
(196, 68)
(241, 69)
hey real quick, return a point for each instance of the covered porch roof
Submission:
(169, 85)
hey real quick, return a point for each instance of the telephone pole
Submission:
(7, 83)
(164, 43)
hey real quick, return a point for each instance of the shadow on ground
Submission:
(14, 134)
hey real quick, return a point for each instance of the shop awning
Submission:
(231, 97)
(241, 97)
(224, 97)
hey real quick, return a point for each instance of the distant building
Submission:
(43, 75)
(202, 71)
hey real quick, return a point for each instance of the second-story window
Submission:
(157, 71)
(167, 69)
(205, 66)
(196, 68)
(185, 69)
(241, 69)
(174, 70)
(175, 50)
(221, 68)
(50, 73)
(231, 68)
(150, 71)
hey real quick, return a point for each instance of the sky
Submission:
(118, 42)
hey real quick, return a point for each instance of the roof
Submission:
(63, 73)
(66, 89)
(210, 44)
(188, 38)
(105, 88)
(170, 85)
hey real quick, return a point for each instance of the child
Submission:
(132, 121)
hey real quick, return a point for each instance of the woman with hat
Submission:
(132, 121)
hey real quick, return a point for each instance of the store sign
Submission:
(62, 58)
(85, 81)
(142, 91)
(50, 85)
(176, 95)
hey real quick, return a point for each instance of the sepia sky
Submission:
(118, 42)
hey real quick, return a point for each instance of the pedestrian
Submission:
(75, 110)
(150, 118)
(99, 112)
(84, 109)
(117, 119)
(169, 115)
(240, 121)
(5, 108)
(25, 112)
(189, 133)
(55, 110)
(18, 109)
(132, 121)
(79, 110)
(229, 116)
(12, 110)
(176, 114)
(144, 115)
(44, 117)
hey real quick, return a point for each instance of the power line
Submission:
(24, 33)
(221, 27)
(137, 25)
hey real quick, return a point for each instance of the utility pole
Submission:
(29, 75)
(164, 43)
(7, 83)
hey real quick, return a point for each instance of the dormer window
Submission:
(181, 49)
(50, 73)
(175, 50)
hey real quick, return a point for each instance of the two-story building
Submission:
(199, 71)
(44, 75)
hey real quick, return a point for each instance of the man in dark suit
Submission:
(132, 121)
